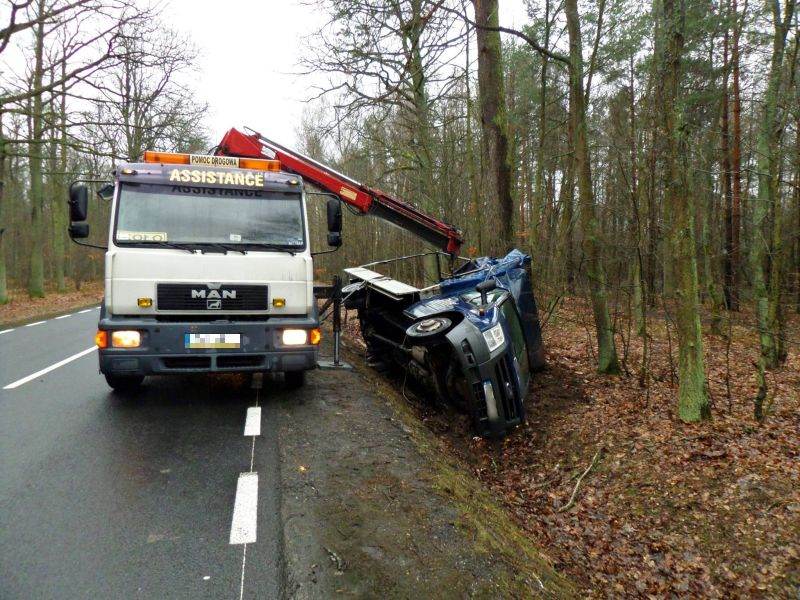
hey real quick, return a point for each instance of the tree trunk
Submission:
(693, 393)
(59, 201)
(476, 214)
(538, 204)
(494, 121)
(727, 188)
(566, 198)
(3, 222)
(425, 184)
(765, 256)
(797, 213)
(606, 349)
(639, 292)
(35, 145)
(735, 165)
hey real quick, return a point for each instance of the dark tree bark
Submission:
(731, 296)
(693, 402)
(607, 361)
(494, 120)
(736, 163)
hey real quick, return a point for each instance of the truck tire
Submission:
(294, 379)
(124, 383)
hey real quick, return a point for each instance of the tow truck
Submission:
(208, 268)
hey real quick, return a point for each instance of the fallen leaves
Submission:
(22, 308)
(710, 509)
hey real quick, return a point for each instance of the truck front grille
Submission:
(187, 296)
(507, 394)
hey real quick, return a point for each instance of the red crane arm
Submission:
(365, 199)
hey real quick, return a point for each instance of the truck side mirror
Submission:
(78, 231)
(484, 287)
(334, 239)
(334, 217)
(78, 202)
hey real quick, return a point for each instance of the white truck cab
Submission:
(208, 269)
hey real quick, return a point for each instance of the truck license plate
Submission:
(212, 340)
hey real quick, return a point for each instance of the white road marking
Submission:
(245, 508)
(257, 382)
(85, 310)
(6, 331)
(244, 564)
(252, 425)
(65, 316)
(52, 367)
(37, 323)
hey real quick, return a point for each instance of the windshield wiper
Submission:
(224, 247)
(174, 245)
(276, 247)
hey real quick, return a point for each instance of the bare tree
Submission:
(766, 240)
(494, 123)
(144, 100)
(607, 352)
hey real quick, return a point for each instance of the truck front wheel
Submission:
(124, 383)
(294, 379)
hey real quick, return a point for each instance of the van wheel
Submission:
(124, 383)
(294, 379)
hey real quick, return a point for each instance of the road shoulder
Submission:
(373, 507)
(21, 309)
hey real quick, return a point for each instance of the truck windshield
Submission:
(179, 214)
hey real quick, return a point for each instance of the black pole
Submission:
(337, 317)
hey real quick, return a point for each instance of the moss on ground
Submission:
(491, 528)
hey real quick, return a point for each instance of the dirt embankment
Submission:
(21, 307)
(708, 510)
(373, 507)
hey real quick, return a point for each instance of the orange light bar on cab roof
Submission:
(174, 158)
(168, 158)
(260, 164)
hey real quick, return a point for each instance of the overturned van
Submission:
(473, 338)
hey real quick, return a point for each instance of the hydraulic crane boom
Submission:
(365, 199)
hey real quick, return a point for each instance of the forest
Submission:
(646, 155)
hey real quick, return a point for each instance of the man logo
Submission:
(213, 304)
(214, 294)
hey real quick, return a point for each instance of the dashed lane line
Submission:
(257, 384)
(245, 509)
(80, 312)
(46, 370)
(252, 424)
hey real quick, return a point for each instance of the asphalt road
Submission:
(169, 494)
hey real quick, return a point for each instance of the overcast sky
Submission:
(248, 52)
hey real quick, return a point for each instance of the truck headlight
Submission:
(494, 337)
(126, 339)
(294, 337)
